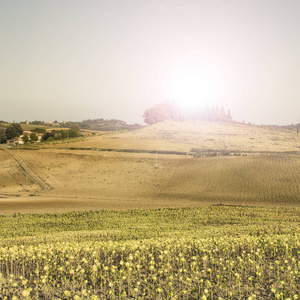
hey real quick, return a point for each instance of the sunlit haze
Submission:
(75, 60)
(192, 84)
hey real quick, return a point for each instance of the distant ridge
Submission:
(220, 136)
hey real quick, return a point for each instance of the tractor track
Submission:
(44, 186)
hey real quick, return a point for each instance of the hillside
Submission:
(89, 174)
(219, 136)
(183, 136)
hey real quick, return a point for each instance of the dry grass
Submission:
(91, 179)
(187, 135)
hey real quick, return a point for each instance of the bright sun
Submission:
(193, 84)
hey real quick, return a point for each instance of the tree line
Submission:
(15, 130)
(91, 124)
(10, 132)
(166, 110)
(73, 132)
(102, 125)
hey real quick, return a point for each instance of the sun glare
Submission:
(193, 85)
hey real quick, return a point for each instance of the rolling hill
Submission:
(163, 165)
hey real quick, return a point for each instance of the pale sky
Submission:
(75, 60)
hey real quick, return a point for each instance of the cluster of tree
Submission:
(15, 130)
(73, 132)
(39, 130)
(3, 137)
(37, 122)
(10, 132)
(164, 111)
(161, 112)
(30, 138)
(216, 114)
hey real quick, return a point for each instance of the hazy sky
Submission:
(75, 59)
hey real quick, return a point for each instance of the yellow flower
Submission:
(25, 293)
(67, 293)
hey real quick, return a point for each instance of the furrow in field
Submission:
(45, 186)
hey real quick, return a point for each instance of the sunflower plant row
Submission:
(247, 267)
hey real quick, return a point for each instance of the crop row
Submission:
(214, 268)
